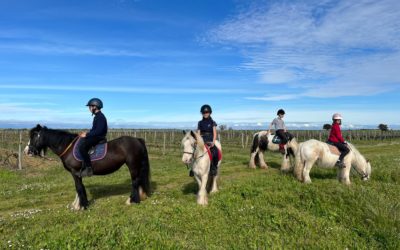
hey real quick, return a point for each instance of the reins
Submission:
(69, 146)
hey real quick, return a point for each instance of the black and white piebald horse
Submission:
(263, 141)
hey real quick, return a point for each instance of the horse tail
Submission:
(255, 143)
(299, 165)
(144, 171)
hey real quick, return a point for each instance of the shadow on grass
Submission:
(190, 188)
(103, 190)
(323, 175)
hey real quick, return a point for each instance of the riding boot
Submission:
(340, 164)
(282, 148)
(213, 169)
(86, 170)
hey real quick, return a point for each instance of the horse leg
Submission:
(345, 174)
(263, 164)
(306, 171)
(214, 188)
(285, 164)
(81, 201)
(135, 197)
(252, 163)
(202, 194)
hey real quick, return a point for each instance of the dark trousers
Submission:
(214, 154)
(285, 136)
(344, 150)
(85, 145)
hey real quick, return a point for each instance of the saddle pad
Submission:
(210, 155)
(276, 140)
(99, 153)
(334, 150)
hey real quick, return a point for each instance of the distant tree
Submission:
(327, 126)
(383, 127)
(222, 127)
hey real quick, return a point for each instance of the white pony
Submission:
(321, 153)
(263, 141)
(196, 156)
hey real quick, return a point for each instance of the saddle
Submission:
(333, 149)
(210, 155)
(96, 153)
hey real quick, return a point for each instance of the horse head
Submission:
(189, 143)
(36, 143)
(368, 170)
(361, 165)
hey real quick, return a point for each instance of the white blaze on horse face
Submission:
(187, 151)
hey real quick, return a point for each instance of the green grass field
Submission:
(255, 209)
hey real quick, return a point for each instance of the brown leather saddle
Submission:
(334, 150)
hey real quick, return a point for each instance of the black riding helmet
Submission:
(95, 102)
(281, 112)
(206, 108)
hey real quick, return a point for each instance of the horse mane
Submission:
(58, 136)
(197, 138)
(358, 157)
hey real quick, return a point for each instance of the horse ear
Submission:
(193, 134)
(184, 132)
(38, 126)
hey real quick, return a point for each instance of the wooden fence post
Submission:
(20, 151)
(165, 136)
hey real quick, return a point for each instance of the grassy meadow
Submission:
(255, 209)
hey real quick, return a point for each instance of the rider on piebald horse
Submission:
(207, 128)
(336, 139)
(94, 136)
(280, 130)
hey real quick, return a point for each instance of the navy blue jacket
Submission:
(99, 127)
(206, 127)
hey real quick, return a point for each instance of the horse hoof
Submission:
(130, 202)
(203, 202)
(264, 166)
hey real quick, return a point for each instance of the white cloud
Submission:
(319, 48)
(274, 97)
(120, 89)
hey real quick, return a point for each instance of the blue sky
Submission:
(156, 61)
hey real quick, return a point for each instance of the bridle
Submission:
(193, 152)
(65, 150)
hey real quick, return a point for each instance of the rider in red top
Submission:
(336, 138)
